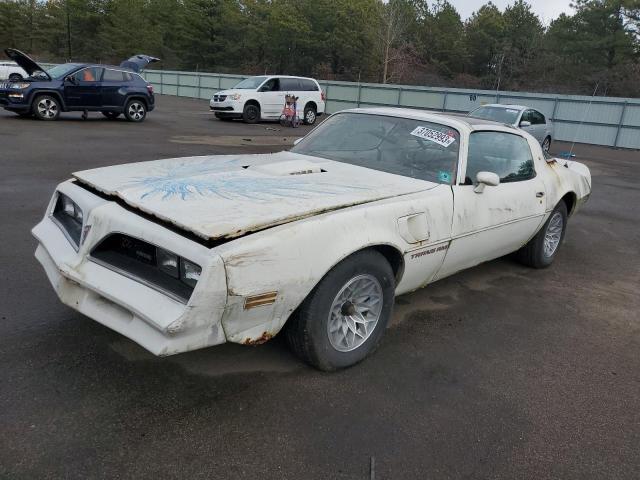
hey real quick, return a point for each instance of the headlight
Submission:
(68, 216)
(18, 86)
(154, 266)
(235, 96)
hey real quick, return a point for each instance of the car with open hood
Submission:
(184, 253)
(46, 92)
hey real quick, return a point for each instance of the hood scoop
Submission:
(293, 167)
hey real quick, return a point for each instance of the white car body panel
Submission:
(7, 68)
(268, 242)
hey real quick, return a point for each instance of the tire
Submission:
(15, 77)
(311, 332)
(310, 115)
(546, 144)
(46, 107)
(251, 113)
(540, 251)
(135, 110)
(111, 115)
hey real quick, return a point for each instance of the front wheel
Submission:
(345, 315)
(46, 107)
(542, 249)
(135, 111)
(251, 113)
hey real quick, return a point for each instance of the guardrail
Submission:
(609, 121)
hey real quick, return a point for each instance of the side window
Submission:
(505, 154)
(526, 117)
(537, 118)
(289, 85)
(308, 85)
(90, 74)
(113, 76)
(272, 85)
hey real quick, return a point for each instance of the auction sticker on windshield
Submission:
(433, 136)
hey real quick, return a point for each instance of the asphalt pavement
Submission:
(498, 372)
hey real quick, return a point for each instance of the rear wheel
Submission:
(344, 317)
(135, 111)
(46, 107)
(542, 249)
(251, 113)
(310, 115)
(111, 115)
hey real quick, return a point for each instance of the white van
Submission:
(262, 98)
(11, 71)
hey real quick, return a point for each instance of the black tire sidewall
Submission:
(317, 306)
(245, 113)
(126, 110)
(34, 107)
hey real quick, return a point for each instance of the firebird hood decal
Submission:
(227, 196)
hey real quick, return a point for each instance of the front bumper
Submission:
(226, 107)
(159, 323)
(16, 100)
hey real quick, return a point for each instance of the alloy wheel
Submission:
(47, 108)
(354, 313)
(553, 234)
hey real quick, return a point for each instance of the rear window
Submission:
(115, 76)
(308, 85)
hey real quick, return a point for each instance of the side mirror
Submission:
(525, 123)
(486, 179)
(70, 79)
(297, 141)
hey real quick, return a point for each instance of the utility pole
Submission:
(66, 3)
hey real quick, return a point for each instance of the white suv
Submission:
(11, 71)
(262, 98)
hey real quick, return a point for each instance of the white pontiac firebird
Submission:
(185, 253)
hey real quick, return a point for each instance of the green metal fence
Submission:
(608, 121)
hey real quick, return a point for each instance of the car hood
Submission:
(137, 63)
(25, 62)
(227, 196)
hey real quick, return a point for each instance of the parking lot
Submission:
(500, 371)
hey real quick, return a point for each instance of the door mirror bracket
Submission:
(484, 179)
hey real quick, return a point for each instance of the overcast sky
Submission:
(547, 10)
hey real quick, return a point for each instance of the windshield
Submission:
(250, 83)
(60, 71)
(496, 114)
(403, 146)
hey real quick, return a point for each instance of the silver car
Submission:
(528, 119)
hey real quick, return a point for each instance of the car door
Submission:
(114, 87)
(291, 86)
(499, 219)
(83, 89)
(539, 122)
(271, 98)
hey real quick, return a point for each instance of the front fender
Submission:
(291, 259)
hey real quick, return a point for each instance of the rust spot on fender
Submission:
(265, 337)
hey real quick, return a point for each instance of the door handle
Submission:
(540, 194)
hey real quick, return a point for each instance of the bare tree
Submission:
(394, 23)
